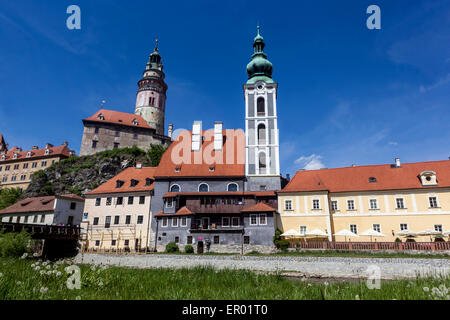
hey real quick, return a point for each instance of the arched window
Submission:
(260, 106)
(261, 134)
(232, 187)
(262, 163)
(175, 188)
(203, 187)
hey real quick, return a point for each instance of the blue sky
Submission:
(347, 95)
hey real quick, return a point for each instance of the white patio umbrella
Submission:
(291, 233)
(407, 234)
(429, 232)
(372, 233)
(317, 233)
(346, 233)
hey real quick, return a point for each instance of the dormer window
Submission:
(47, 151)
(15, 156)
(211, 169)
(135, 122)
(177, 169)
(3, 157)
(28, 154)
(119, 183)
(428, 178)
(148, 181)
(372, 179)
(133, 183)
(100, 117)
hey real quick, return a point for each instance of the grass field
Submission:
(28, 279)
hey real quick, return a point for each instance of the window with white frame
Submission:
(376, 227)
(174, 222)
(334, 205)
(232, 187)
(203, 187)
(400, 202)
(140, 220)
(169, 203)
(303, 230)
(183, 221)
(316, 204)
(438, 227)
(164, 222)
(235, 221)
(354, 228)
(253, 219)
(262, 219)
(287, 205)
(373, 204)
(351, 204)
(403, 226)
(433, 202)
(175, 188)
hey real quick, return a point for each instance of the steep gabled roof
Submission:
(62, 150)
(38, 204)
(117, 117)
(180, 161)
(259, 207)
(132, 173)
(350, 179)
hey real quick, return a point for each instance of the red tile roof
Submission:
(259, 207)
(350, 179)
(121, 118)
(228, 162)
(36, 204)
(184, 211)
(38, 153)
(126, 176)
(71, 196)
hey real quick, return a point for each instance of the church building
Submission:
(108, 129)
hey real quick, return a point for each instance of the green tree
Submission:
(9, 196)
(155, 153)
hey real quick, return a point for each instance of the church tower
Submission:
(151, 95)
(262, 165)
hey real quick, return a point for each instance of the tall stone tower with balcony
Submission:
(262, 165)
(151, 95)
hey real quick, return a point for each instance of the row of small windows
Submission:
(203, 187)
(116, 132)
(25, 219)
(115, 145)
(119, 200)
(25, 165)
(376, 227)
(216, 239)
(116, 221)
(23, 177)
(373, 204)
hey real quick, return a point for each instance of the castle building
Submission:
(108, 129)
(117, 214)
(17, 166)
(392, 199)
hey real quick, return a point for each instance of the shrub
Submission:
(189, 249)
(277, 236)
(9, 196)
(283, 245)
(14, 244)
(172, 247)
(397, 240)
(253, 252)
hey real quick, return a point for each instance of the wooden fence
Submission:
(327, 245)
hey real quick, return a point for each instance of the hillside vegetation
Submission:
(83, 174)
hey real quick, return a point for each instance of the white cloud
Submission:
(311, 162)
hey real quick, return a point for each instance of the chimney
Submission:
(138, 165)
(196, 135)
(48, 145)
(65, 144)
(353, 165)
(218, 137)
(397, 162)
(34, 147)
(170, 131)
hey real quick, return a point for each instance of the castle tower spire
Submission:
(262, 165)
(151, 95)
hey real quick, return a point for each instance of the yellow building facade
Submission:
(389, 199)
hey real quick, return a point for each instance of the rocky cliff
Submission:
(83, 174)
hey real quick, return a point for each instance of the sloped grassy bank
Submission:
(33, 279)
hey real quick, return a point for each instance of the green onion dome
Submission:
(259, 68)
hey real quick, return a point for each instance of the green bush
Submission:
(9, 196)
(283, 245)
(277, 236)
(14, 244)
(189, 249)
(172, 247)
(397, 240)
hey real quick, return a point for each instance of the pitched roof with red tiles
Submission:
(259, 207)
(180, 161)
(62, 151)
(117, 117)
(351, 179)
(184, 211)
(36, 204)
(71, 196)
(132, 173)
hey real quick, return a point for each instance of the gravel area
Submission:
(317, 267)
